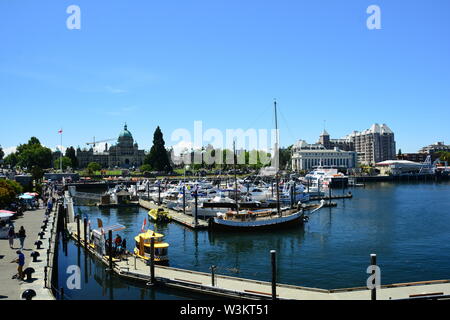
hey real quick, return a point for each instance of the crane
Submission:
(95, 142)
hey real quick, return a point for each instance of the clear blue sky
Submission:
(169, 63)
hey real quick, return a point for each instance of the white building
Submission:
(307, 156)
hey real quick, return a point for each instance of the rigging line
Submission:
(258, 118)
(287, 126)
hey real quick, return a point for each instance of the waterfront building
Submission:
(307, 156)
(125, 154)
(436, 147)
(373, 145)
(398, 167)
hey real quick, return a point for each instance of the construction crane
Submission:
(101, 141)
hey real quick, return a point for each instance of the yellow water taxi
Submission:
(142, 249)
(159, 215)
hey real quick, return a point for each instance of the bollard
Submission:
(110, 250)
(85, 233)
(213, 269)
(274, 274)
(135, 263)
(35, 255)
(28, 272)
(373, 262)
(45, 277)
(38, 244)
(152, 261)
(41, 235)
(78, 229)
(29, 294)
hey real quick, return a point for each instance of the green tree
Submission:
(146, 168)
(72, 155)
(9, 190)
(93, 167)
(66, 163)
(158, 158)
(11, 160)
(34, 154)
(2, 153)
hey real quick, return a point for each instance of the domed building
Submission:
(125, 154)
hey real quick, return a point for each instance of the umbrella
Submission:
(34, 194)
(25, 196)
(7, 211)
(5, 216)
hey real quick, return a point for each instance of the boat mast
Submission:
(235, 177)
(277, 159)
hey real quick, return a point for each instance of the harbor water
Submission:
(406, 224)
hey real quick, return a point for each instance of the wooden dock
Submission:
(342, 196)
(134, 268)
(176, 216)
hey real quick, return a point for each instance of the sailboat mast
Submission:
(277, 159)
(235, 177)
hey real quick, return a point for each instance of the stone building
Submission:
(125, 154)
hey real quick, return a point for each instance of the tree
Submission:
(9, 190)
(11, 160)
(158, 158)
(71, 154)
(2, 153)
(145, 168)
(93, 167)
(33, 154)
(66, 163)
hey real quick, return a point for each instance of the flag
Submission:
(60, 131)
(143, 225)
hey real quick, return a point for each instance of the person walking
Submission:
(11, 236)
(22, 236)
(20, 263)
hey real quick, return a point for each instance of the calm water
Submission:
(406, 225)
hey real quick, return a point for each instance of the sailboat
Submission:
(259, 219)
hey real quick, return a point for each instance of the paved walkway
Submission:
(32, 222)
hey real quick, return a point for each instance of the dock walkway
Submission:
(239, 288)
(179, 217)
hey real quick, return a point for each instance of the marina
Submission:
(188, 269)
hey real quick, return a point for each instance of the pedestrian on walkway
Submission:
(22, 236)
(20, 263)
(11, 236)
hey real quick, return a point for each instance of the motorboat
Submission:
(143, 246)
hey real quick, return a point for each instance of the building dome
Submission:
(125, 133)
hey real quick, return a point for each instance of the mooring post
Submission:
(213, 269)
(152, 261)
(62, 293)
(78, 229)
(196, 208)
(184, 199)
(159, 193)
(373, 262)
(274, 274)
(110, 250)
(85, 233)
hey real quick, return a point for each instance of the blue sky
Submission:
(169, 63)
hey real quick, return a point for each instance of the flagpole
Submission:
(60, 156)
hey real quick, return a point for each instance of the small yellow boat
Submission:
(142, 249)
(159, 215)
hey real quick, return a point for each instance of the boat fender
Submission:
(305, 218)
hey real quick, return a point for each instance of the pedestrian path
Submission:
(12, 289)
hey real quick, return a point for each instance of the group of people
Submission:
(119, 246)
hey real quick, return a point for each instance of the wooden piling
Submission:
(373, 262)
(152, 261)
(85, 233)
(110, 250)
(274, 274)
(78, 230)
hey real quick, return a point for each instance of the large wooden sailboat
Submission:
(259, 219)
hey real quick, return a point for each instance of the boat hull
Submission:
(278, 222)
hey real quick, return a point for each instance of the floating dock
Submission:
(176, 216)
(134, 268)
